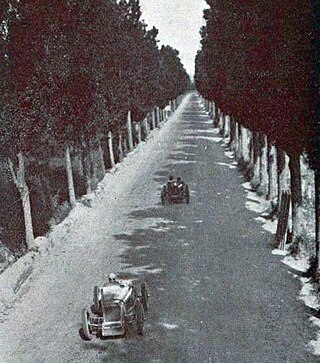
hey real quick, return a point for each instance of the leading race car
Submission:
(175, 191)
(115, 307)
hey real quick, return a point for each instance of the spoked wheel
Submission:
(145, 296)
(85, 332)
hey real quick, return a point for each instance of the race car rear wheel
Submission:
(163, 200)
(163, 195)
(140, 318)
(96, 302)
(145, 296)
(187, 194)
(87, 334)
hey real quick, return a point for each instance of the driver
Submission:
(113, 279)
(170, 183)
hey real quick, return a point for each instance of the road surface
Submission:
(217, 292)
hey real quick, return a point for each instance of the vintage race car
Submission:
(175, 192)
(115, 307)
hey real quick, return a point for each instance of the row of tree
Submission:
(260, 63)
(72, 72)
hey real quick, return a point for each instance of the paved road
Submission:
(218, 294)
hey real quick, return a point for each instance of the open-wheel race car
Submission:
(116, 306)
(175, 191)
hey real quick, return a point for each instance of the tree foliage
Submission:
(71, 70)
(256, 63)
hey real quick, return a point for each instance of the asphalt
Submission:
(217, 292)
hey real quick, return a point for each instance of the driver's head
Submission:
(112, 277)
(171, 178)
(178, 180)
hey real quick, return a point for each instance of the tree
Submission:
(71, 72)
(264, 96)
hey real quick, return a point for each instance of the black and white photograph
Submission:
(159, 181)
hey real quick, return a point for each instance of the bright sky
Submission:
(179, 22)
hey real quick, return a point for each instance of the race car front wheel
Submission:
(87, 335)
(145, 296)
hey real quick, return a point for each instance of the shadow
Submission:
(313, 312)
(181, 155)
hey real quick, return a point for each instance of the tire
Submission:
(96, 302)
(82, 335)
(163, 200)
(126, 329)
(187, 194)
(87, 335)
(140, 318)
(144, 296)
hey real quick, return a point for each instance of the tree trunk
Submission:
(158, 117)
(125, 146)
(272, 176)
(86, 166)
(317, 214)
(227, 127)
(153, 119)
(20, 182)
(296, 195)
(139, 132)
(216, 118)
(120, 149)
(238, 142)
(263, 187)
(232, 132)
(171, 106)
(143, 129)
(72, 195)
(235, 142)
(94, 168)
(129, 130)
(111, 150)
(223, 125)
(281, 162)
(101, 157)
(245, 144)
(256, 160)
(78, 159)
